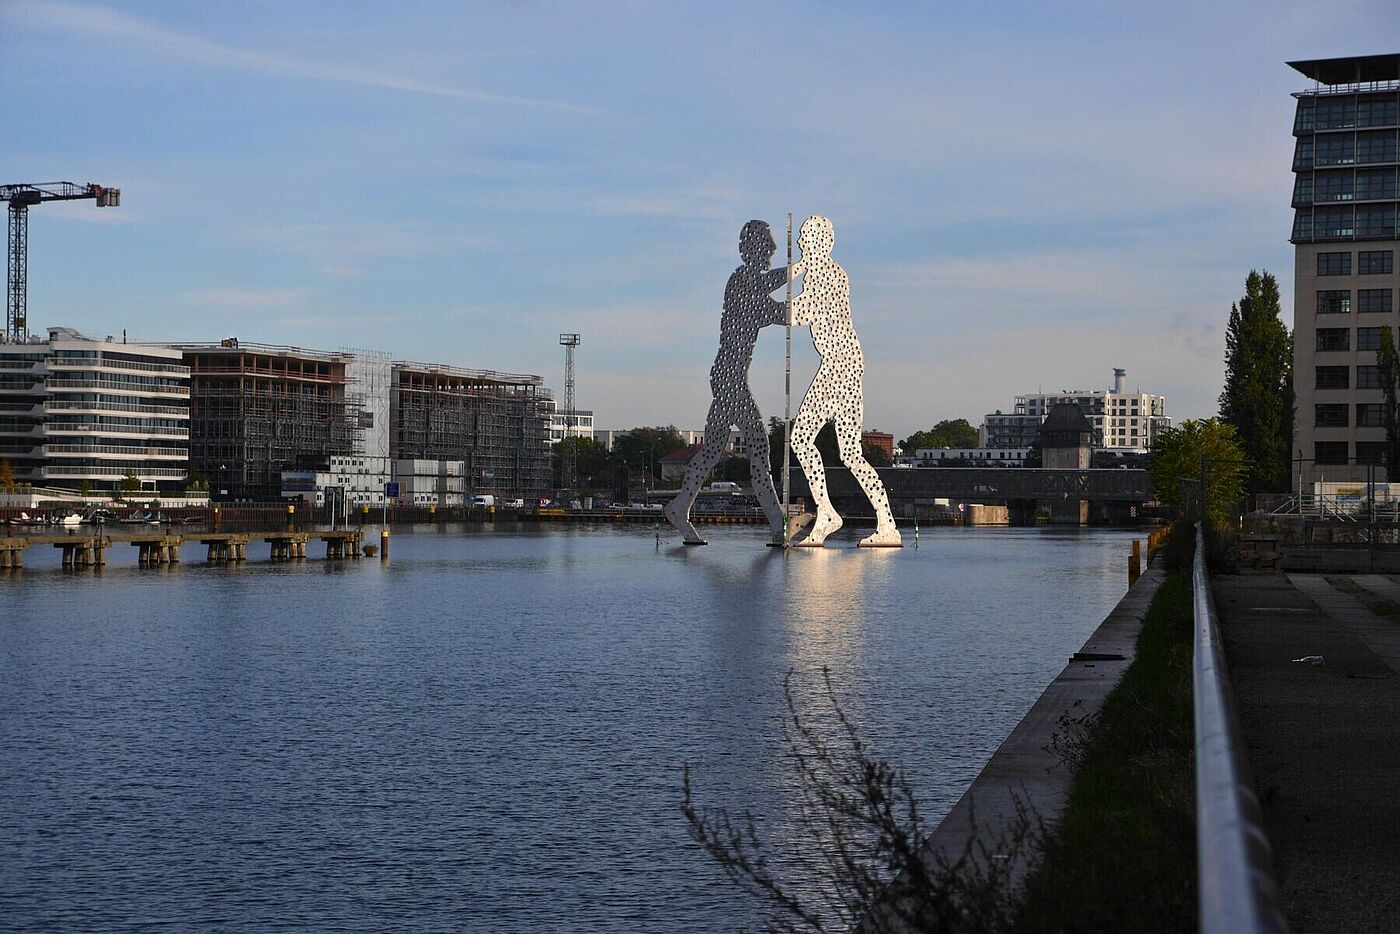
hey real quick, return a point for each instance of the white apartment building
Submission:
(1124, 422)
(558, 422)
(353, 480)
(431, 482)
(76, 411)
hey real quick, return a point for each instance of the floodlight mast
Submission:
(20, 198)
(566, 457)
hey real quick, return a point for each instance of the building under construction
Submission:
(257, 410)
(494, 423)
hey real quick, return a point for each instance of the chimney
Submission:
(1120, 381)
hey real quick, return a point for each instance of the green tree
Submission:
(591, 463)
(1258, 395)
(1389, 361)
(7, 475)
(949, 433)
(1177, 454)
(827, 446)
(641, 449)
(129, 482)
(874, 454)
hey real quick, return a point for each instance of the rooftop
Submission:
(1362, 69)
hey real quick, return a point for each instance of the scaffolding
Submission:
(494, 423)
(259, 409)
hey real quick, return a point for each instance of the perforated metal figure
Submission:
(836, 394)
(748, 306)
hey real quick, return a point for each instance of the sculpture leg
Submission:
(848, 437)
(760, 469)
(804, 437)
(677, 511)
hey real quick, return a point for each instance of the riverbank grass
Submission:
(1122, 856)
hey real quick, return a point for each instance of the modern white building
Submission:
(104, 414)
(1124, 422)
(558, 422)
(370, 374)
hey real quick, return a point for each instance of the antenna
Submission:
(566, 459)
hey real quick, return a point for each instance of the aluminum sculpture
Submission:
(836, 394)
(748, 306)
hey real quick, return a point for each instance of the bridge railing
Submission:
(1235, 882)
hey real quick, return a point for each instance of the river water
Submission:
(487, 732)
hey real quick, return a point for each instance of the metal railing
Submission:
(1236, 888)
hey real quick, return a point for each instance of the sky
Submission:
(1025, 196)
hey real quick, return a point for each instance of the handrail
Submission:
(1236, 888)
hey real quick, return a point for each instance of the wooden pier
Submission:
(158, 548)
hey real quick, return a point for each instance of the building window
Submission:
(1333, 377)
(1368, 377)
(1376, 262)
(1334, 302)
(1334, 338)
(1302, 225)
(1303, 154)
(1368, 338)
(1336, 114)
(1375, 185)
(1375, 222)
(1369, 414)
(1302, 190)
(1374, 300)
(1375, 147)
(1371, 452)
(1334, 150)
(1303, 122)
(1333, 223)
(1332, 186)
(1334, 264)
(1330, 452)
(1331, 415)
(1373, 111)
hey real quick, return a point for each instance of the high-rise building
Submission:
(1345, 278)
(101, 414)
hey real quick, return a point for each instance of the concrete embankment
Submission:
(1025, 774)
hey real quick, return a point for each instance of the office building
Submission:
(1345, 198)
(78, 413)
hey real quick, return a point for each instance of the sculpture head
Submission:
(817, 237)
(756, 244)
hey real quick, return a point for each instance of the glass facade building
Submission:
(1346, 193)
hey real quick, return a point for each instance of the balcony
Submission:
(110, 386)
(58, 364)
(115, 450)
(61, 404)
(75, 472)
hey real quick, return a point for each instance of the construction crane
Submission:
(21, 198)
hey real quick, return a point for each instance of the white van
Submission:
(483, 501)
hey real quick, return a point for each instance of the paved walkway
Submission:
(1324, 740)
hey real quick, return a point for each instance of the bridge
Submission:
(1110, 493)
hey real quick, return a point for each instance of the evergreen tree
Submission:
(1258, 395)
(1389, 362)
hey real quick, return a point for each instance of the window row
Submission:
(1347, 185)
(1345, 149)
(1335, 452)
(1340, 339)
(1363, 222)
(1368, 263)
(1344, 112)
(1336, 415)
(1339, 377)
(1368, 301)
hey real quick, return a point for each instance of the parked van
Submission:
(483, 501)
(724, 486)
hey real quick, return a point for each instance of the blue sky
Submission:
(1025, 195)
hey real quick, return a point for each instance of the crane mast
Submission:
(21, 198)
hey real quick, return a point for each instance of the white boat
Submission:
(70, 521)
